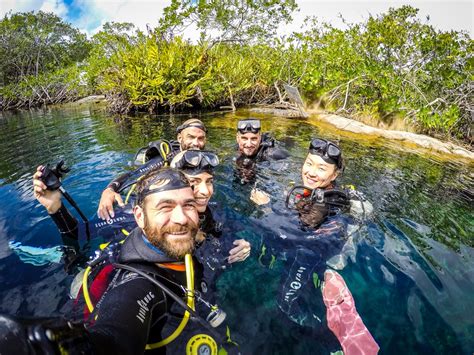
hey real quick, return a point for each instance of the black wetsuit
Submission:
(156, 162)
(246, 165)
(267, 151)
(305, 251)
(133, 312)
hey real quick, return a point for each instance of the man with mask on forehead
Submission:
(152, 273)
(190, 135)
(254, 147)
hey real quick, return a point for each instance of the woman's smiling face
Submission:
(316, 173)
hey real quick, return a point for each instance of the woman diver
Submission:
(320, 205)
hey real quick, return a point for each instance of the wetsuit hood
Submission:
(135, 249)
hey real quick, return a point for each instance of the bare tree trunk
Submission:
(280, 99)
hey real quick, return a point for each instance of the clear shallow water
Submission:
(412, 275)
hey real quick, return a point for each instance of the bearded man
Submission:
(154, 270)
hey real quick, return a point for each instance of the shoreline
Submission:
(356, 128)
(429, 144)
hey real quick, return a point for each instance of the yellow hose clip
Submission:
(165, 151)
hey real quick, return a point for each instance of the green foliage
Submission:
(392, 65)
(38, 56)
(228, 20)
(113, 38)
(33, 44)
(55, 87)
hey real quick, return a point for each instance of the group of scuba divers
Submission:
(149, 287)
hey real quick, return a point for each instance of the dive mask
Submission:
(327, 150)
(246, 126)
(196, 124)
(196, 161)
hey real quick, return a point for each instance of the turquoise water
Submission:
(411, 269)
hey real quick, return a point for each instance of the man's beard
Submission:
(176, 249)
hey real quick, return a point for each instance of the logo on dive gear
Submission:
(296, 284)
(109, 221)
(144, 306)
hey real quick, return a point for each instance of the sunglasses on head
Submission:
(197, 159)
(326, 149)
(252, 126)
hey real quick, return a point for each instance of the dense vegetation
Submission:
(392, 65)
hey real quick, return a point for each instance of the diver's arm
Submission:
(51, 201)
(66, 223)
(106, 204)
(110, 195)
(125, 317)
(118, 182)
(111, 192)
(240, 251)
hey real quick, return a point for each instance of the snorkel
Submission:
(52, 179)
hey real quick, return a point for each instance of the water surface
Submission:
(411, 272)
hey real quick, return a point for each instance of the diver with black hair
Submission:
(135, 302)
(319, 196)
(191, 134)
(199, 166)
(322, 209)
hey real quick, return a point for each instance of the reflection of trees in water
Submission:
(444, 277)
(432, 193)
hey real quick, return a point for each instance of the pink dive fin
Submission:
(343, 319)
